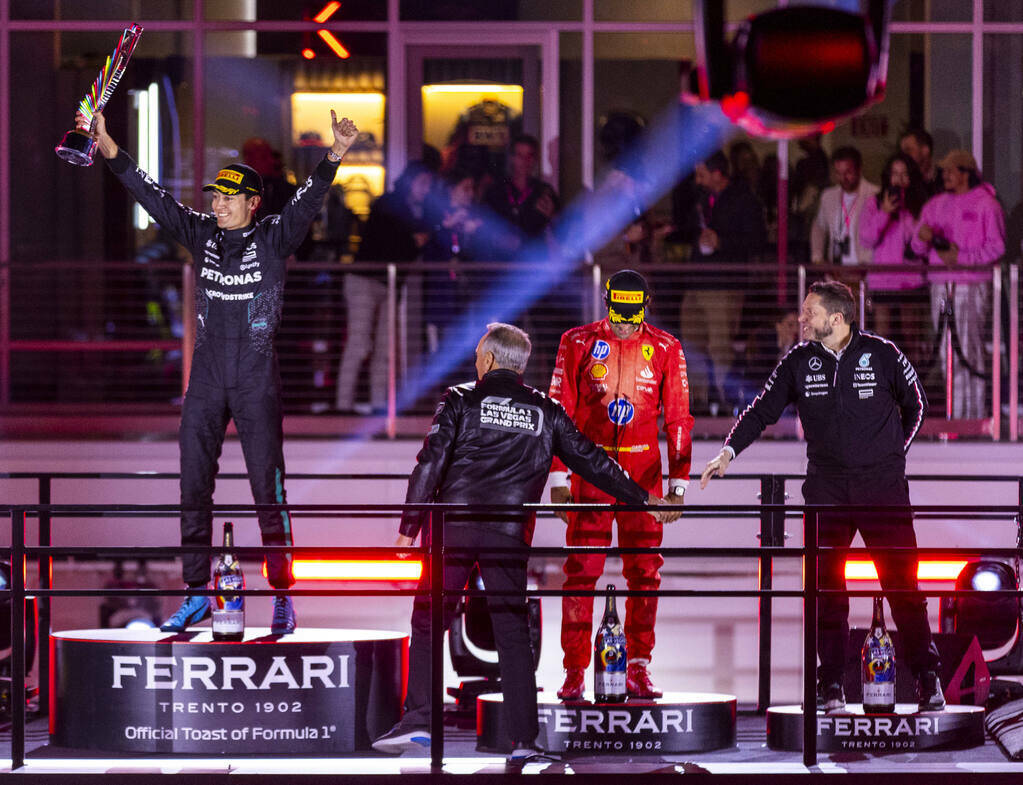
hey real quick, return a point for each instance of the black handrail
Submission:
(771, 510)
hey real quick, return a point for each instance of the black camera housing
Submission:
(796, 70)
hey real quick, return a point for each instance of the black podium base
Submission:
(679, 722)
(905, 730)
(315, 691)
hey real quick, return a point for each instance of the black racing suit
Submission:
(491, 443)
(239, 287)
(860, 411)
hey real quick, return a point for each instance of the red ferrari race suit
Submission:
(614, 390)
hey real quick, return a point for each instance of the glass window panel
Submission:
(570, 164)
(266, 88)
(1003, 142)
(288, 10)
(669, 10)
(929, 85)
(91, 219)
(102, 9)
(82, 270)
(933, 11)
(624, 60)
(490, 10)
(1003, 10)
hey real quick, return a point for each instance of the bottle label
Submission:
(609, 662)
(879, 661)
(878, 693)
(609, 682)
(228, 622)
(230, 583)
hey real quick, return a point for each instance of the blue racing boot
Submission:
(284, 616)
(192, 611)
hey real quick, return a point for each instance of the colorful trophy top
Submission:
(110, 74)
(77, 147)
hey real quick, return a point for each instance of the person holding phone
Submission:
(962, 231)
(886, 227)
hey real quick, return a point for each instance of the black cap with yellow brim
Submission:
(235, 179)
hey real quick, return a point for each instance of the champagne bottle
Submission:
(229, 611)
(609, 656)
(877, 661)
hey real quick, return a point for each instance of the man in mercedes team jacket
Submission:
(240, 271)
(860, 403)
(491, 442)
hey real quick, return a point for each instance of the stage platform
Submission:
(746, 761)
(313, 692)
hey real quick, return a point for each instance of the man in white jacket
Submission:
(835, 236)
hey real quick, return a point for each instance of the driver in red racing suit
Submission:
(615, 377)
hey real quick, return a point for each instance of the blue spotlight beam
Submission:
(670, 148)
(680, 138)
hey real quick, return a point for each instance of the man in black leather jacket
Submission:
(491, 442)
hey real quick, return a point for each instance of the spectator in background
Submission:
(745, 163)
(455, 236)
(918, 145)
(726, 227)
(525, 202)
(963, 226)
(766, 346)
(395, 232)
(278, 187)
(835, 235)
(809, 179)
(767, 192)
(886, 227)
(526, 206)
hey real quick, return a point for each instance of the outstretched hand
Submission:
(345, 133)
(716, 466)
(404, 541)
(561, 495)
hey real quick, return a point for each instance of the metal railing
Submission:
(121, 331)
(770, 511)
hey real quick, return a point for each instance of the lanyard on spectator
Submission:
(847, 214)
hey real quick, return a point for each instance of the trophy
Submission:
(78, 147)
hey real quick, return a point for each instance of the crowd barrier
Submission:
(772, 512)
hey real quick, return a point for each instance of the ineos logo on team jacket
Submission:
(620, 411)
(504, 414)
(600, 350)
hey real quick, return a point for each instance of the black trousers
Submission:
(500, 572)
(894, 570)
(255, 407)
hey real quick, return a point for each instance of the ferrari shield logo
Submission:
(648, 352)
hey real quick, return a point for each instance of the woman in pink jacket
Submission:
(898, 300)
(960, 229)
